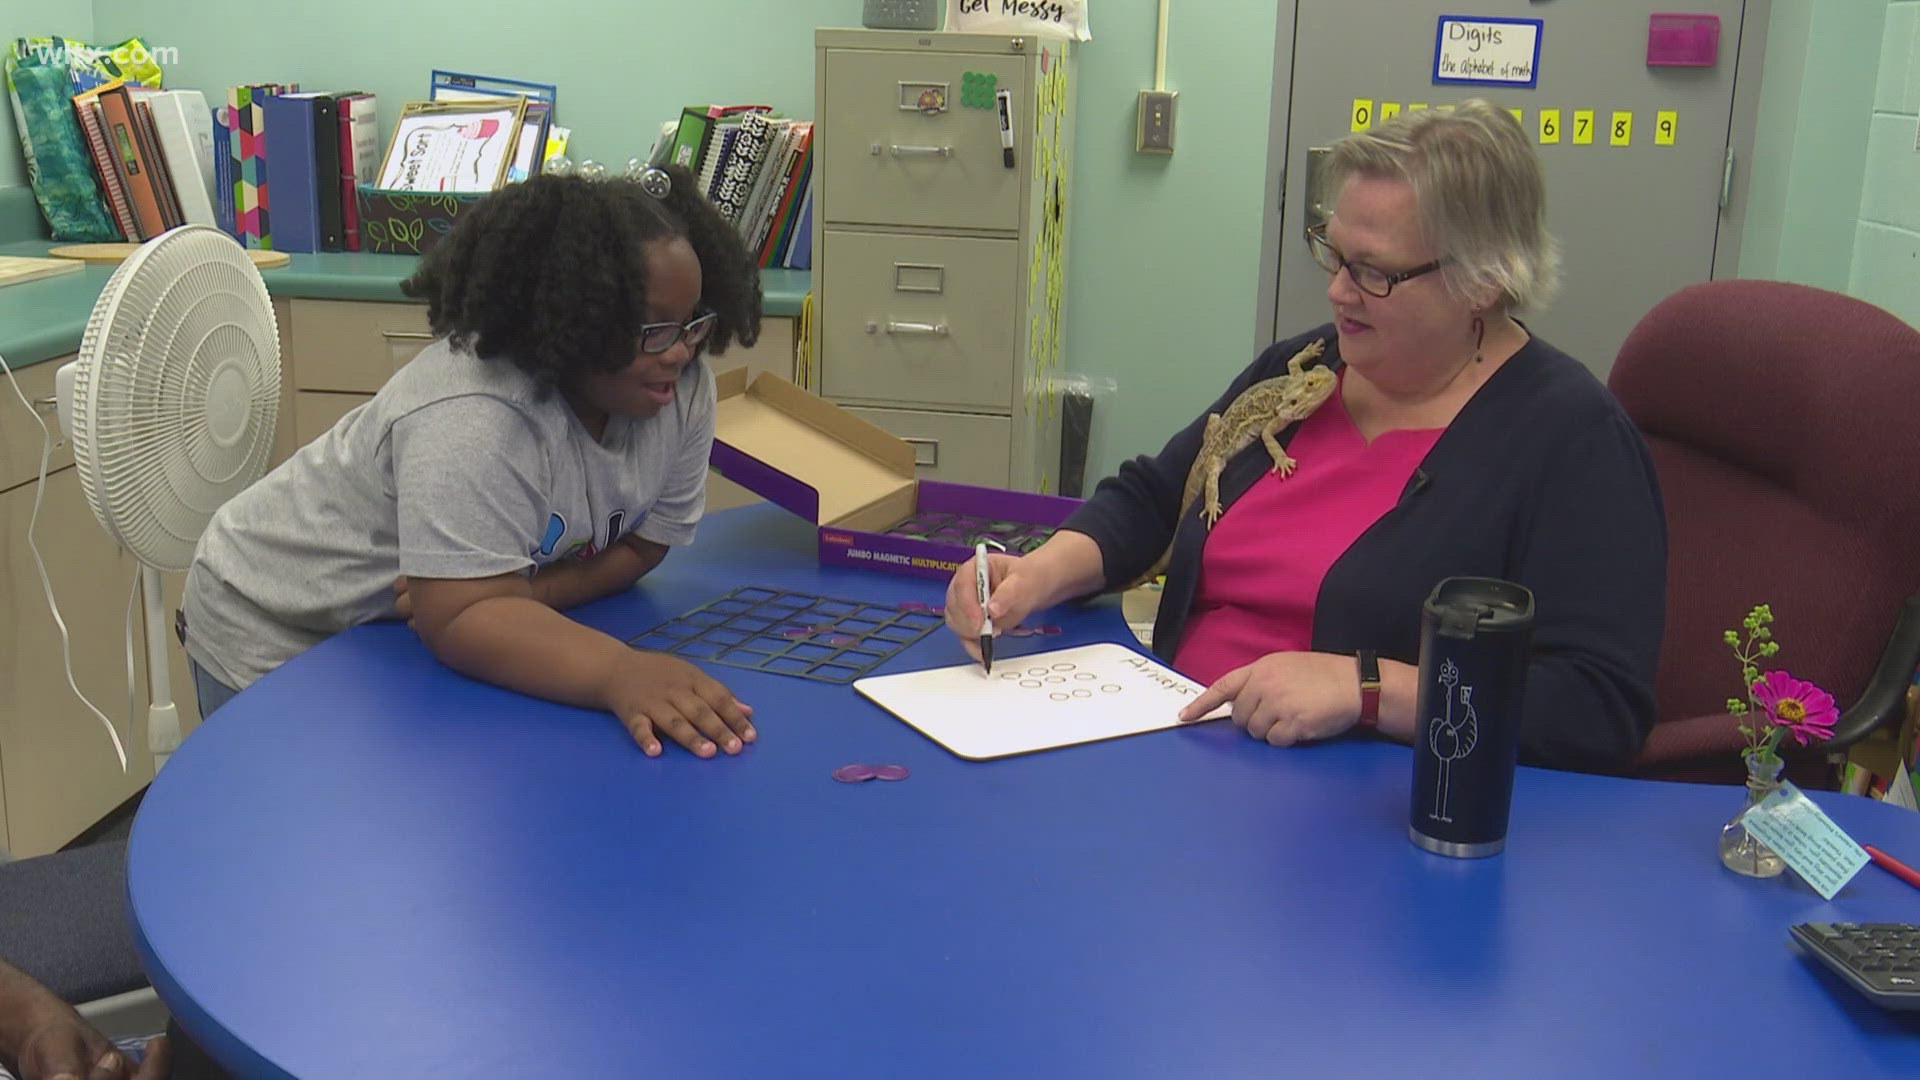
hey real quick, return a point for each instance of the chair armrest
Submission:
(1884, 701)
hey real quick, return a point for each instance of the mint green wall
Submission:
(1816, 99)
(35, 18)
(1163, 254)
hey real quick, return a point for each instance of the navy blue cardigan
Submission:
(1541, 479)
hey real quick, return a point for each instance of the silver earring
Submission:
(656, 182)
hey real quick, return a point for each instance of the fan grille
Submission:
(176, 391)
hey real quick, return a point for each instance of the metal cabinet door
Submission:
(1635, 223)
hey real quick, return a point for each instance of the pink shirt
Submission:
(1264, 560)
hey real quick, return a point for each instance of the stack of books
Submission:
(152, 151)
(287, 165)
(757, 169)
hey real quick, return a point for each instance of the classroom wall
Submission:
(1164, 252)
(1886, 247)
(1816, 94)
(35, 18)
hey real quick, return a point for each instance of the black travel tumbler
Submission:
(1475, 640)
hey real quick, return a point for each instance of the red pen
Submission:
(1893, 866)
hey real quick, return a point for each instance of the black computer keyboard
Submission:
(1881, 960)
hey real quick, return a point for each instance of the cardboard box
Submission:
(854, 480)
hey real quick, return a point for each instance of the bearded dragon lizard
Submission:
(1260, 412)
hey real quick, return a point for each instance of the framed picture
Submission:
(453, 146)
(529, 153)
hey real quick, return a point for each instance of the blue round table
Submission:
(367, 865)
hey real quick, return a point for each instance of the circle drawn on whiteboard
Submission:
(1082, 691)
(1063, 667)
(1033, 684)
(1056, 678)
(1085, 676)
(1037, 671)
(1110, 688)
(1057, 696)
(1010, 675)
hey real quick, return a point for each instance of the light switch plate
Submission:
(1154, 133)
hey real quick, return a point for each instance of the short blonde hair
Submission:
(1478, 190)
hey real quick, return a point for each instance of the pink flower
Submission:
(1797, 705)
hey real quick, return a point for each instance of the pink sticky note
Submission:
(1683, 40)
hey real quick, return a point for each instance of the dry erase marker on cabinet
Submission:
(982, 578)
(1005, 100)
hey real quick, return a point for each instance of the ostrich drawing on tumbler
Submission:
(1451, 739)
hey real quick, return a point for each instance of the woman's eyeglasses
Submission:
(658, 337)
(1367, 278)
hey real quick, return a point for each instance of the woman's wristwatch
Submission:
(1369, 664)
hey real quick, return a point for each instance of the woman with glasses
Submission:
(1453, 442)
(546, 450)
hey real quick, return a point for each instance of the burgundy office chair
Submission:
(1784, 423)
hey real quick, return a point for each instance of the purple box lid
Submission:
(1683, 40)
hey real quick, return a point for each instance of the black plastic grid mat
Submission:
(790, 633)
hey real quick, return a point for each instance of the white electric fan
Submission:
(170, 407)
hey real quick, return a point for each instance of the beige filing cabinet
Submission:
(937, 266)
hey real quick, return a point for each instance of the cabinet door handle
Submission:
(912, 151)
(407, 335)
(939, 329)
(932, 460)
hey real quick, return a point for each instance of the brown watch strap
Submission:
(1369, 666)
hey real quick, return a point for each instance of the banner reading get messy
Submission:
(1062, 18)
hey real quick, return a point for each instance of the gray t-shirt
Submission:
(458, 468)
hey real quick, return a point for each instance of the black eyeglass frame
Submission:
(1316, 237)
(695, 330)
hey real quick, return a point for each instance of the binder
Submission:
(290, 120)
(184, 125)
(157, 162)
(326, 171)
(223, 175)
(359, 156)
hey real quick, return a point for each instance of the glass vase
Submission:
(1740, 850)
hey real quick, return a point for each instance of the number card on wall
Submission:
(1621, 133)
(1549, 126)
(1582, 127)
(1487, 51)
(1666, 125)
(1389, 110)
(1362, 114)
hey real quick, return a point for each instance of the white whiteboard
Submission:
(1037, 702)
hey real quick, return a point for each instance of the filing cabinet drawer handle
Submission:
(912, 151)
(904, 277)
(938, 329)
(932, 460)
(407, 335)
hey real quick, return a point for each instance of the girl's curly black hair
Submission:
(550, 275)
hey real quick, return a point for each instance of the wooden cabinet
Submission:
(58, 771)
(938, 257)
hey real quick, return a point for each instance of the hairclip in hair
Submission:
(655, 182)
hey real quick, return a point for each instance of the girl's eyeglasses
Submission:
(658, 337)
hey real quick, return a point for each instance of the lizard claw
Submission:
(1284, 466)
(1211, 514)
